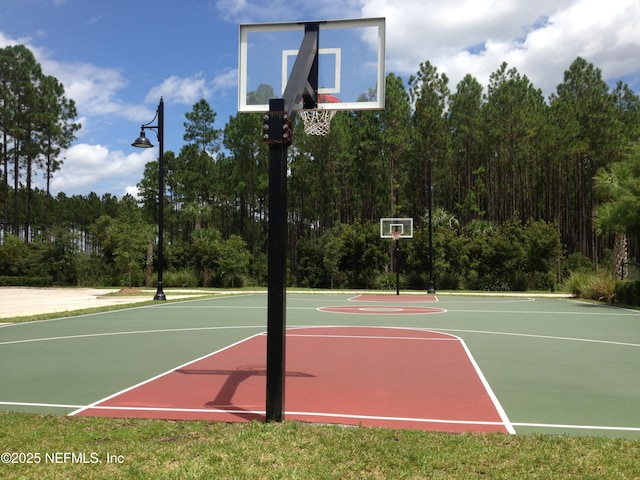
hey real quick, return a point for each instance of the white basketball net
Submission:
(317, 121)
(396, 234)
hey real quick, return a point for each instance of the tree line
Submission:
(36, 123)
(517, 181)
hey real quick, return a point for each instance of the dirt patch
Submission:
(129, 291)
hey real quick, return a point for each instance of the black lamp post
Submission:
(143, 142)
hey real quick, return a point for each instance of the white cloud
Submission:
(85, 166)
(185, 91)
(226, 80)
(540, 38)
(6, 41)
(94, 89)
(133, 191)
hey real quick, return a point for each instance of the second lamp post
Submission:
(143, 142)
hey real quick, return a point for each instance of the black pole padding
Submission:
(277, 283)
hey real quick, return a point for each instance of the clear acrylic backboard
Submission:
(351, 69)
(402, 227)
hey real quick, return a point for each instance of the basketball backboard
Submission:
(351, 71)
(390, 225)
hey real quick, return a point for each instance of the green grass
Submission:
(161, 449)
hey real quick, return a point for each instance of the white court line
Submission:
(452, 338)
(405, 297)
(631, 313)
(544, 337)
(320, 414)
(578, 427)
(475, 301)
(131, 332)
(381, 310)
(496, 403)
(622, 311)
(249, 412)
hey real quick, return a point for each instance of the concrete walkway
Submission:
(25, 301)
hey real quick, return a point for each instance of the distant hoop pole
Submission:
(396, 237)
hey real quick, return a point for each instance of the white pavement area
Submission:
(25, 301)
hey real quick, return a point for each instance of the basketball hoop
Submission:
(396, 235)
(317, 121)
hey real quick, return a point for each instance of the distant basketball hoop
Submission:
(396, 228)
(317, 121)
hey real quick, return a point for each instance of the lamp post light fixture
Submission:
(143, 142)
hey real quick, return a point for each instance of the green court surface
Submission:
(556, 365)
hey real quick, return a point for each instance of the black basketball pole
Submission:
(278, 132)
(277, 284)
(397, 267)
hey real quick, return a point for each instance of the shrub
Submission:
(540, 281)
(592, 286)
(179, 278)
(19, 281)
(627, 292)
(386, 281)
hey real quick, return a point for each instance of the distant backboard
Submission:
(351, 71)
(402, 225)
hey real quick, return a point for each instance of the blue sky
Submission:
(116, 58)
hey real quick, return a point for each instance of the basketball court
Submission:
(477, 364)
(507, 364)
(347, 375)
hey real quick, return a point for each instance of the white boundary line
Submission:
(406, 297)
(131, 332)
(378, 337)
(381, 310)
(624, 313)
(496, 403)
(578, 427)
(544, 337)
(317, 414)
